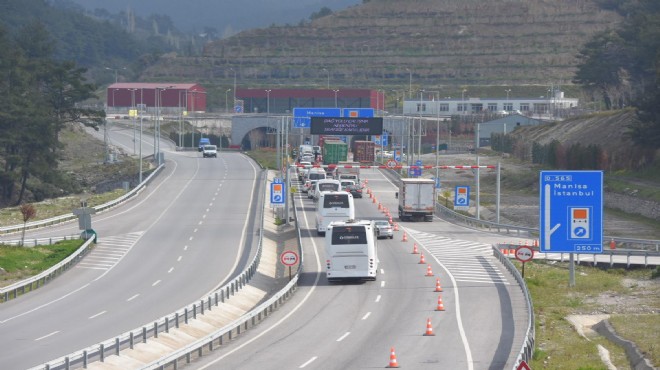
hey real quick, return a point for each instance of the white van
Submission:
(325, 185)
(351, 251)
(333, 206)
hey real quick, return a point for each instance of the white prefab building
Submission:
(543, 106)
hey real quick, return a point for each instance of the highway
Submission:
(189, 231)
(354, 325)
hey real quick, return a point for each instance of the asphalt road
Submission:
(182, 237)
(354, 325)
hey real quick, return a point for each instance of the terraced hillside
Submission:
(395, 42)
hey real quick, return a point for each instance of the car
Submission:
(210, 151)
(307, 186)
(355, 189)
(346, 183)
(384, 229)
(310, 190)
(203, 141)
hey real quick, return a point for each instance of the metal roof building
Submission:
(170, 97)
(284, 100)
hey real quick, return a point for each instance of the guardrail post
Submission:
(194, 311)
(216, 298)
(117, 346)
(67, 363)
(102, 352)
(222, 296)
(84, 358)
(201, 306)
(131, 340)
(144, 334)
(155, 329)
(167, 324)
(185, 318)
(176, 320)
(209, 303)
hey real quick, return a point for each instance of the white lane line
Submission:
(185, 247)
(366, 316)
(204, 216)
(199, 223)
(97, 315)
(382, 283)
(343, 336)
(156, 283)
(211, 204)
(308, 362)
(194, 231)
(378, 298)
(179, 259)
(47, 335)
(170, 270)
(133, 297)
(382, 271)
(191, 238)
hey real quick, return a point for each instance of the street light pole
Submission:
(233, 70)
(226, 104)
(336, 91)
(133, 115)
(409, 82)
(115, 69)
(328, 73)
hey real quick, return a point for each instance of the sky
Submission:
(235, 15)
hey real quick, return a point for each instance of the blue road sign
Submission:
(414, 172)
(302, 116)
(571, 212)
(462, 197)
(357, 112)
(277, 193)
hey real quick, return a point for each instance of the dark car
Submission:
(356, 190)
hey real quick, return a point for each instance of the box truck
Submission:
(416, 199)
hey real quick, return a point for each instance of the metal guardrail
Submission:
(37, 281)
(99, 351)
(527, 349)
(40, 241)
(71, 216)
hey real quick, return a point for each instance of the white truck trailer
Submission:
(416, 199)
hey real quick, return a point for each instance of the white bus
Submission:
(333, 206)
(351, 251)
(325, 186)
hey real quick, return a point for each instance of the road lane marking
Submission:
(47, 335)
(156, 283)
(170, 270)
(382, 284)
(378, 298)
(185, 247)
(199, 223)
(179, 259)
(97, 315)
(382, 271)
(343, 336)
(191, 238)
(133, 297)
(366, 316)
(308, 362)
(194, 231)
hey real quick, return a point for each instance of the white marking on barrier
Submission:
(382, 284)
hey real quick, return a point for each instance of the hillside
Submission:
(395, 43)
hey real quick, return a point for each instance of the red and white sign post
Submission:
(289, 258)
(524, 254)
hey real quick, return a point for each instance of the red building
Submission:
(171, 97)
(284, 100)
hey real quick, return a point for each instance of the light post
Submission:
(409, 82)
(233, 70)
(335, 91)
(159, 104)
(419, 139)
(328, 73)
(226, 104)
(507, 93)
(267, 102)
(133, 115)
(463, 100)
(115, 69)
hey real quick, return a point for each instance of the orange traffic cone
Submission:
(396, 227)
(374, 199)
(536, 242)
(405, 237)
(422, 261)
(380, 206)
(415, 251)
(438, 288)
(612, 244)
(390, 219)
(429, 272)
(441, 307)
(366, 181)
(505, 251)
(429, 328)
(393, 362)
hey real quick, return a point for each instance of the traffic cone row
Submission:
(405, 237)
(429, 272)
(396, 226)
(415, 250)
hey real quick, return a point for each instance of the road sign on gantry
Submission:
(302, 116)
(277, 193)
(571, 211)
